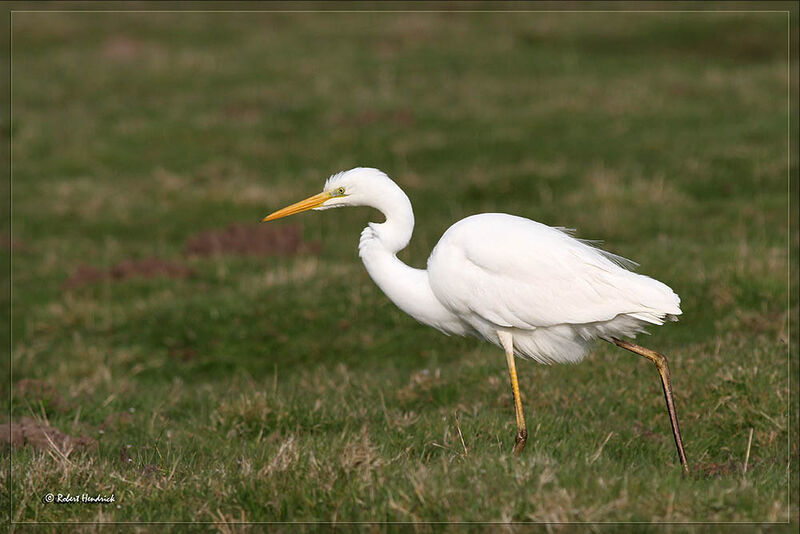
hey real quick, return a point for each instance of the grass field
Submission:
(286, 387)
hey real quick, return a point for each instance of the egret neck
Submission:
(408, 288)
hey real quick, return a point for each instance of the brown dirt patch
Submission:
(122, 48)
(252, 240)
(11, 244)
(151, 267)
(84, 275)
(717, 469)
(242, 239)
(183, 354)
(244, 112)
(36, 391)
(400, 117)
(30, 432)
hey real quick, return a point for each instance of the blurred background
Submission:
(199, 365)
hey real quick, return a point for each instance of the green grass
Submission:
(304, 394)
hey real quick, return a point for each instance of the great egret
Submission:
(533, 290)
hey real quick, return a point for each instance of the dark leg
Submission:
(663, 369)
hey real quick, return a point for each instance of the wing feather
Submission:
(514, 272)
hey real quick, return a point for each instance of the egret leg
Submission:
(663, 369)
(522, 431)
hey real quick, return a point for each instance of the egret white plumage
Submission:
(533, 290)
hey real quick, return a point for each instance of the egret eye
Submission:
(340, 191)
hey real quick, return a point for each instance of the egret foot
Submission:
(663, 369)
(520, 440)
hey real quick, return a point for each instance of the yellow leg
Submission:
(522, 431)
(663, 369)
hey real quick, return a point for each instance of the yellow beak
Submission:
(297, 207)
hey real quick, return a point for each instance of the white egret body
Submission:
(531, 289)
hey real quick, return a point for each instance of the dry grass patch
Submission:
(90, 198)
(254, 415)
(301, 270)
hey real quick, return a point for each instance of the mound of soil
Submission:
(252, 240)
(151, 267)
(122, 48)
(402, 117)
(84, 275)
(11, 244)
(28, 431)
(240, 239)
(36, 391)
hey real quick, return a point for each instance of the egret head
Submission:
(356, 187)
